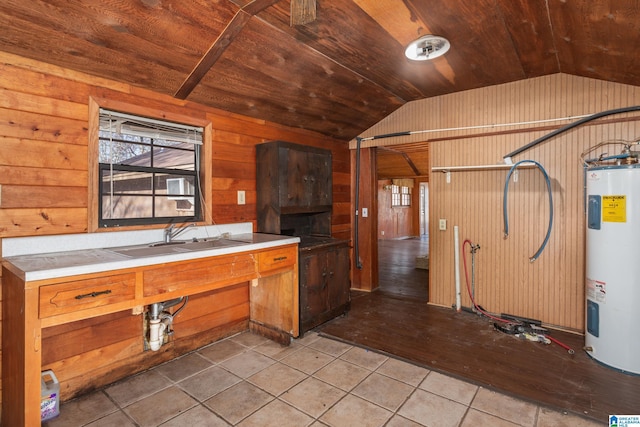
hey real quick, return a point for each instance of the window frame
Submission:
(400, 196)
(94, 203)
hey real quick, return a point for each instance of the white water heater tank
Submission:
(613, 266)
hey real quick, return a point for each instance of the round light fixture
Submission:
(427, 47)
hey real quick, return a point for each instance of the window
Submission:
(400, 196)
(148, 170)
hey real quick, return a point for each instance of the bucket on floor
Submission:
(50, 396)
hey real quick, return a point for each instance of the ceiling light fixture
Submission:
(427, 47)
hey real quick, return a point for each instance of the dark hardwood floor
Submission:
(396, 320)
(397, 268)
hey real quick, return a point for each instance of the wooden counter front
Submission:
(30, 306)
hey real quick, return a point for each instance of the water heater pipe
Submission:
(507, 157)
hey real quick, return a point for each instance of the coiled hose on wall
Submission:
(504, 205)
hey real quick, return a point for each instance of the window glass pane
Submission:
(119, 182)
(127, 207)
(118, 150)
(181, 157)
(174, 186)
(171, 207)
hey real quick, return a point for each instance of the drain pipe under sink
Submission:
(160, 321)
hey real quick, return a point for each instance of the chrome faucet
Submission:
(170, 233)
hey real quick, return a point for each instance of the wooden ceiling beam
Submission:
(406, 158)
(223, 41)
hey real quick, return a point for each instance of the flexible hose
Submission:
(504, 205)
(473, 301)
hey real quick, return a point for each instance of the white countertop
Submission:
(47, 257)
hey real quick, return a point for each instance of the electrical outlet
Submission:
(442, 224)
(241, 199)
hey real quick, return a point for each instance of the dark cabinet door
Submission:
(324, 285)
(318, 180)
(305, 178)
(314, 293)
(338, 277)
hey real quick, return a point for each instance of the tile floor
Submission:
(247, 380)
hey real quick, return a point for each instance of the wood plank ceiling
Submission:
(337, 75)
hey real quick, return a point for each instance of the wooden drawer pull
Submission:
(280, 258)
(93, 294)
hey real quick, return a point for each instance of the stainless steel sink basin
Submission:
(211, 244)
(178, 246)
(144, 251)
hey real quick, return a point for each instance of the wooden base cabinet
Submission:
(324, 283)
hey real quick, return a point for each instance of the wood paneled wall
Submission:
(394, 222)
(552, 288)
(43, 191)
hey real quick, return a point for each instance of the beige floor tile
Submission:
(276, 414)
(160, 407)
(505, 407)
(198, 416)
(403, 371)
(398, 421)
(475, 418)
(116, 419)
(331, 347)
(341, 374)
(449, 387)
(353, 411)
(183, 367)
(137, 387)
(222, 350)
(277, 351)
(83, 410)
(313, 396)
(551, 418)
(248, 339)
(364, 358)
(383, 391)
(209, 382)
(248, 363)
(307, 360)
(277, 378)
(432, 410)
(307, 338)
(238, 402)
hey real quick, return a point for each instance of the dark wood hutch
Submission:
(294, 184)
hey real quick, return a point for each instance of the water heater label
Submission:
(614, 208)
(596, 290)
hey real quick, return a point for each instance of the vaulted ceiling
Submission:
(337, 75)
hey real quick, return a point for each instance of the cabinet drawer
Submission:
(207, 274)
(277, 258)
(79, 295)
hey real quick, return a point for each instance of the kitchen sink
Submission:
(178, 246)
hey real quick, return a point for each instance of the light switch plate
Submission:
(241, 199)
(365, 212)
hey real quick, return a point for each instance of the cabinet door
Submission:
(294, 169)
(338, 277)
(318, 180)
(306, 179)
(314, 295)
